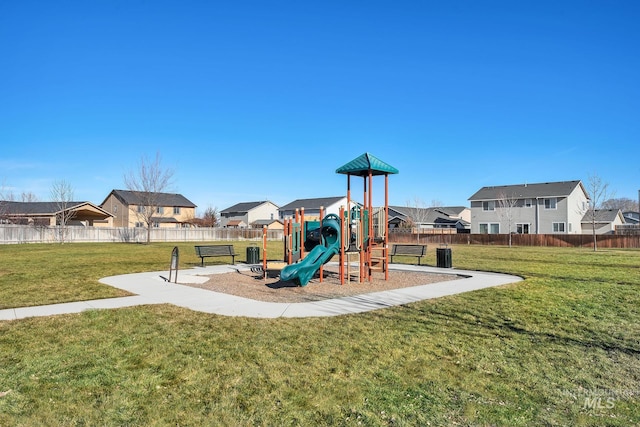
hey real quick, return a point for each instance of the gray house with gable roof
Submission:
(312, 207)
(542, 208)
(248, 214)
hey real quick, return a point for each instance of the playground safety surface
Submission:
(253, 284)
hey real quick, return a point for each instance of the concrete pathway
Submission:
(152, 288)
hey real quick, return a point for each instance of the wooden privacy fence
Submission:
(29, 234)
(559, 240)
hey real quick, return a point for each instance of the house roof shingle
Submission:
(526, 191)
(437, 215)
(311, 203)
(601, 216)
(164, 199)
(243, 206)
(80, 210)
(42, 208)
(34, 208)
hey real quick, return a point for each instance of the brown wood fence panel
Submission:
(556, 240)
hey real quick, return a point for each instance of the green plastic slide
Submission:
(304, 270)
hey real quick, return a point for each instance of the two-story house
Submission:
(171, 210)
(330, 205)
(249, 214)
(542, 208)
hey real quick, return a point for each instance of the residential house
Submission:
(330, 205)
(631, 217)
(458, 217)
(172, 210)
(631, 225)
(604, 220)
(51, 213)
(542, 208)
(246, 214)
(271, 224)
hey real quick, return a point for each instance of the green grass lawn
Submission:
(560, 348)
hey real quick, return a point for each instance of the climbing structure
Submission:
(374, 253)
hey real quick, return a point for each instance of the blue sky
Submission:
(254, 100)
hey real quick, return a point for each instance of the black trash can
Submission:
(253, 255)
(443, 257)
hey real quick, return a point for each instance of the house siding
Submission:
(313, 214)
(119, 210)
(569, 210)
(263, 211)
(127, 215)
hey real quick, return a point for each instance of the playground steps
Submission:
(377, 258)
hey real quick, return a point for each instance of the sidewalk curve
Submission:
(152, 288)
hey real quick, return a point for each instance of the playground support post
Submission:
(321, 271)
(342, 234)
(264, 251)
(386, 227)
(370, 225)
(300, 221)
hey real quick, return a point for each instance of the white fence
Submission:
(10, 234)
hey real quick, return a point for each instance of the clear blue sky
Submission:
(253, 100)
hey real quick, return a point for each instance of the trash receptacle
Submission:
(253, 255)
(443, 257)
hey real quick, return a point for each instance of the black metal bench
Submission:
(204, 251)
(417, 251)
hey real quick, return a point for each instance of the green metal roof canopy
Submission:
(362, 165)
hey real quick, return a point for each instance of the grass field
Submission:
(560, 348)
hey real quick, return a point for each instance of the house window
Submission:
(489, 205)
(160, 210)
(176, 210)
(489, 228)
(156, 225)
(550, 203)
(140, 209)
(522, 228)
(115, 209)
(528, 203)
(139, 224)
(558, 227)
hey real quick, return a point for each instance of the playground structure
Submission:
(308, 245)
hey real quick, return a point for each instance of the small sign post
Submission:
(174, 264)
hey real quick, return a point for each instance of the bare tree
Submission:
(417, 215)
(506, 204)
(28, 196)
(210, 217)
(5, 197)
(62, 196)
(623, 203)
(147, 182)
(598, 194)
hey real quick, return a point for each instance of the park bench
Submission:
(417, 251)
(204, 251)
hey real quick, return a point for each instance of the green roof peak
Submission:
(364, 164)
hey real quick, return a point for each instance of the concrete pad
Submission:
(153, 288)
